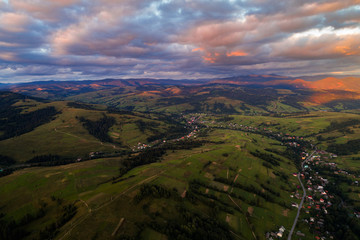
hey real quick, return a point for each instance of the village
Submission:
(318, 199)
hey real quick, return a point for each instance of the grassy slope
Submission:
(109, 202)
(65, 136)
(85, 182)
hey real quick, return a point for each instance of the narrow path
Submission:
(83, 139)
(86, 205)
(302, 199)
(81, 219)
(118, 227)
(236, 235)
(245, 216)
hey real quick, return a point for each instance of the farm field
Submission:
(146, 176)
(89, 185)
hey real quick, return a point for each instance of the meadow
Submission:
(225, 180)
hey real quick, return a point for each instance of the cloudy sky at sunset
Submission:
(80, 39)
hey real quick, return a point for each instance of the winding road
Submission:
(302, 199)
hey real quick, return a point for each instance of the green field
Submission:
(85, 185)
(225, 182)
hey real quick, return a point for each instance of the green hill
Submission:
(90, 171)
(72, 131)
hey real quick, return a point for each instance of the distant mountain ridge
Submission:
(255, 91)
(327, 83)
(347, 83)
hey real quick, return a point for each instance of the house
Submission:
(300, 234)
(281, 231)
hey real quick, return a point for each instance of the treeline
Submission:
(155, 191)
(225, 119)
(184, 224)
(99, 128)
(282, 176)
(171, 133)
(10, 229)
(6, 161)
(270, 158)
(81, 106)
(194, 194)
(185, 144)
(5, 172)
(44, 158)
(14, 123)
(151, 155)
(248, 188)
(142, 125)
(351, 147)
(192, 226)
(51, 230)
(7, 99)
(146, 157)
(335, 125)
(49, 160)
(114, 110)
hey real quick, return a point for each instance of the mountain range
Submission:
(242, 94)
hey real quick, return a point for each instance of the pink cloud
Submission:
(14, 22)
(318, 47)
(49, 10)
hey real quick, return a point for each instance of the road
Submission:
(302, 199)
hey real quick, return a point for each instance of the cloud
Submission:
(100, 38)
(320, 44)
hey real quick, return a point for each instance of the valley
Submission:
(179, 120)
(179, 162)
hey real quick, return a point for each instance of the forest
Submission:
(351, 147)
(14, 123)
(99, 128)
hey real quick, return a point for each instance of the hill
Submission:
(166, 161)
(32, 127)
(252, 94)
(231, 178)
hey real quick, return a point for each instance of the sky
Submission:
(177, 39)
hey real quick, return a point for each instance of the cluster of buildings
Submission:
(275, 235)
(191, 122)
(318, 198)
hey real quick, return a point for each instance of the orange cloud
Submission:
(316, 8)
(209, 59)
(237, 54)
(197, 49)
(347, 50)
